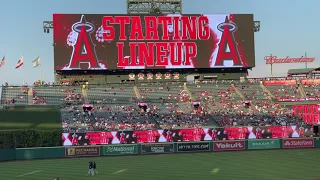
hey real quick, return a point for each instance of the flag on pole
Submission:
(36, 62)
(20, 63)
(3, 61)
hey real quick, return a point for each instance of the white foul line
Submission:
(33, 172)
(120, 171)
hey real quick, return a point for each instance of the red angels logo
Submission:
(228, 54)
(83, 49)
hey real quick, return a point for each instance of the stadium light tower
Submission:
(154, 6)
(256, 26)
(47, 25)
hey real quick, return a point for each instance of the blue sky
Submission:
(288, 28)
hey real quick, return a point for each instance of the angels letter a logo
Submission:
(228, 50)
(83, 49)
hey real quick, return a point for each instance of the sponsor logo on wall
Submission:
(193, 147)
(82, 151)
(120, 149)
(298, 143)
(156, 148)
(229, 145)
(264, 144)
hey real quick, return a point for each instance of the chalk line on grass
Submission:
(215, 170)
(120, 171)
(29, 173)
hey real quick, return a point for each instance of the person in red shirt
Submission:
(122, 138)
(301, 131)
(169, 136)
(214, 134)
(93, 137)
(105, 137)
(187, 134)
(258, 133)
(286, 131)
(153, 135)
(276, 131)
(146, 136)
(242, 132)
(229, 133)
(138, 135)
(198, 134)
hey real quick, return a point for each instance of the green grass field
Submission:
(300, 164)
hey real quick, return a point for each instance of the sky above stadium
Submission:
(288, 28)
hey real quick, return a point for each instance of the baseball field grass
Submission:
(298, 164)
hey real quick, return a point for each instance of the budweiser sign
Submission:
(229, 145)
(298, 143)
(276, 60)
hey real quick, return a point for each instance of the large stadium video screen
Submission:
(186, 135)
(171, 41)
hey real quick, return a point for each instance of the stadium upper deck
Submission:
(169, 105)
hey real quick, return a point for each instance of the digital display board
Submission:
(100, 42)
(187, 135)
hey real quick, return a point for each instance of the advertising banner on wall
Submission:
(193, 147)
(280, 82)
(120, 149)
(228, 145)
(317, 142)
(298, 143)
(264, 144)
(156, 148)
(82, 151)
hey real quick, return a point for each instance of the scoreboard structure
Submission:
(153, 42)
(154, 6)
(170, 41)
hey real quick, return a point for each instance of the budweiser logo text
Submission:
(276, 60)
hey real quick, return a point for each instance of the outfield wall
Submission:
(156, 148)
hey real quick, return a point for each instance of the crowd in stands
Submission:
(168, 105)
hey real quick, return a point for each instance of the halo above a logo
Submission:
(82, 23)
(232, 26)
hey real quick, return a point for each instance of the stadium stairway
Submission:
(1, 95)
(213, 121)
(265, 89)
(136, 91)
(188, 91)
(30, 96)
(302, 91)
(85, 95)
(238, 92)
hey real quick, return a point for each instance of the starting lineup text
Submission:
(176, 46)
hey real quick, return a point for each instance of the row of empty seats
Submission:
(217, 92)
